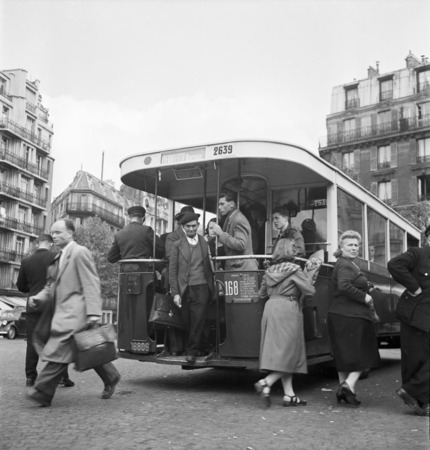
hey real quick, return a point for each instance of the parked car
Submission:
(12, 323)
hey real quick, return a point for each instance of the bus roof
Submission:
(274, 161)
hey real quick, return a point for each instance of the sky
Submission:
(127, 76)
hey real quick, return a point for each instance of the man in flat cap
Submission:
(135, 241)
(191, 281)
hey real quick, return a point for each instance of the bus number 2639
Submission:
(223, 150)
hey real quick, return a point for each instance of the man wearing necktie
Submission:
(73, 292)
(191, 281)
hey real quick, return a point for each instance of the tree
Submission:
(96, 235)
(418, 215)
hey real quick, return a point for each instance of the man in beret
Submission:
(135, 241)
(191, 281)
(175, 235)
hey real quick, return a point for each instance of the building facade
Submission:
(25, 171)
(378, 132)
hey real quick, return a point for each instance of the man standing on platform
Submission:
(31, 280)
(191, 282)
(235, 234)
(135, 241)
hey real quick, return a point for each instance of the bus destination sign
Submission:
(241, 287)
(184, 155)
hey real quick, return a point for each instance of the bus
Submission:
(323, 202)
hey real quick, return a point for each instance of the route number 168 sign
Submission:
(241, 287)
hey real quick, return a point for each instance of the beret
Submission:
(188, 217)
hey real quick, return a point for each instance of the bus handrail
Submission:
(142, 260)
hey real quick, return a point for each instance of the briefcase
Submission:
(94, 347)
(165, 312)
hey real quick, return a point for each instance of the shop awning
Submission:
(13, 301)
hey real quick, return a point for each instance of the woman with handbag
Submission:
(350, 327)
(282, 348)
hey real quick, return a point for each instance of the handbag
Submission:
(94, 346)
(409, 311)
(165, 312)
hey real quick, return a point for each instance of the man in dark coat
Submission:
(73, 291)
(191, 281)
(412, 270)
(31, 280)
(135, 241)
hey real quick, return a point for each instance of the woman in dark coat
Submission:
(352, 333)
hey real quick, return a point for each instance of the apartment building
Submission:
(378, 132)
(25, 171)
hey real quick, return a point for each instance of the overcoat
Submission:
(72, 293)
(236, 238)
(180, 263)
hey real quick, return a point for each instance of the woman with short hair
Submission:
(352, 333)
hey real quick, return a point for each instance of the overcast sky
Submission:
(124, 76)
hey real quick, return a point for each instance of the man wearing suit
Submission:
(73, 291)
(191, 281)
(31, 280)
(412, 270)
(175, 235)
(235, 234)
(135, 240)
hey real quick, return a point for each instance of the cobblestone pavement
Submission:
(164, 407)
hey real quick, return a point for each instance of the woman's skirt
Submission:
(282, 337)
(354, 343)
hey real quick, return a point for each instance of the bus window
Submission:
(376, 231)
(350, 214)
(397, 237)
(308, 214)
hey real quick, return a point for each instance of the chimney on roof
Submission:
(372, 72)
(412, 61)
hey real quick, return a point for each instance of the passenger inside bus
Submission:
(313, 239)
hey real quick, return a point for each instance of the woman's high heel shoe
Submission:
(263, 390)
(293, 400)
(344, 393)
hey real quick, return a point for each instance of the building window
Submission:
(423, 150)
(386, 89)
(384, 157)
(423, 80)
(348, 160)
(423, 188)
(423, 112)
(25, 182)
(384, 191)
(19, 245)
(384, 121)
(349, 131)
(351, 98)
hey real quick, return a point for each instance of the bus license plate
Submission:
(140, 346)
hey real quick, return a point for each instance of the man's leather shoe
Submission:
(190, 359)
(66, 382)
(38, 397)
(426, 409)
(109, 389)
(410, 401)
(29, 382)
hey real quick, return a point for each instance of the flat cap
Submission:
(188, 217)
(136, 211)
(183, 211)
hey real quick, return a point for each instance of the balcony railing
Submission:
(423, 159)
(16, 224)
(10, 255)
(21, 162)
(30, 107)
(352, 103)
(384, 165)
(5, 93)
(15, 191)
(383, 129)
(103, 213)
(7, 124)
